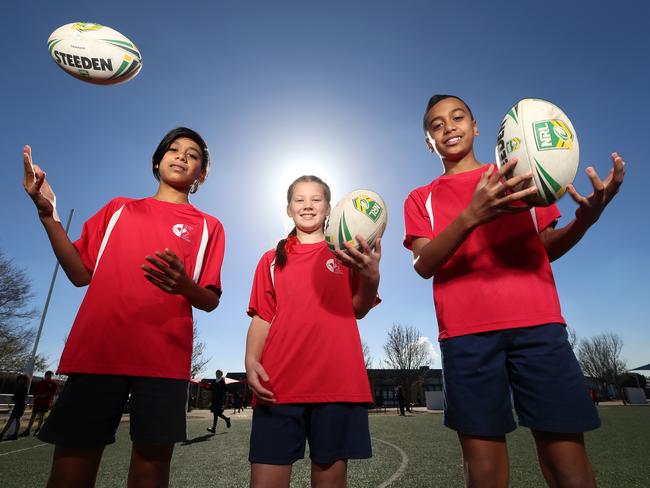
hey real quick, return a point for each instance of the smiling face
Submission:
(308, 207)
(180, 166)
(450, 130)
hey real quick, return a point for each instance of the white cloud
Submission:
(432, 350)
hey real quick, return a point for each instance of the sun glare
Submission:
(285, 168)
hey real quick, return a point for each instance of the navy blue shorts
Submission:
(532, 368)
(89, 409)
(335, 431)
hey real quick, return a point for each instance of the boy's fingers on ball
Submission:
(364, 244)
(512, 182)
(503, 170)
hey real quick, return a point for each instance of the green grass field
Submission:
(416, 451)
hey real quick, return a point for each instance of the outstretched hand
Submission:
(494, 195)
(364, 262)
(168, 273)
(592, 206)
(38, 188)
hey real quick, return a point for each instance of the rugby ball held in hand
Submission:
(361, 212)
(542, 138)
(94, 53)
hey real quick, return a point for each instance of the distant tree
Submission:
(405, 352)
(366, 355)
(16, 336)
(199, 361)
(600, 358)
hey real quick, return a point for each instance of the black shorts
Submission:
(531, 368)
(89, 409)
(335, 431)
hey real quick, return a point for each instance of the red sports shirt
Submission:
(126, 325)
(313, 350)
(44, 392)
(500, 277)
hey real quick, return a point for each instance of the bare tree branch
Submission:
(16, 337)
(405, 352)
(366, 355)
(199, 361)
(600, 358)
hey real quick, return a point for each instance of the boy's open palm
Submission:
(592, 206)
(38, 188)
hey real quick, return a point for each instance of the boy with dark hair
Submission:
(146, 262)
(501, 330)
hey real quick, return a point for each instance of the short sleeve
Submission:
(211, 273)
(417, 221)
(262, 302)
(547, 216)
(93, 231)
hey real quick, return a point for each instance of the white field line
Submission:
(400, 471)
(20, 450)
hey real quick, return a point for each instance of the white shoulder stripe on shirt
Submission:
(201, 254)
(429, 209)
(534, 216)
(111, 224)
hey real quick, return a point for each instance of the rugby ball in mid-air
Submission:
(94, 53)
(361, 212)
(543, 139)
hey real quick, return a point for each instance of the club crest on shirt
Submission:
(333, 265)
(182, 231)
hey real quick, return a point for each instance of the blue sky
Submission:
(280, 89)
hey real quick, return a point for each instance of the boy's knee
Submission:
(485, 473)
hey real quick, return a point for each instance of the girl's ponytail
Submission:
(281, 250)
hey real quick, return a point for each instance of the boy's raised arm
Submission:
(493, 197)
(44, 198)
(559, 241)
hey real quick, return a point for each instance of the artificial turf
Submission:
(619, 452)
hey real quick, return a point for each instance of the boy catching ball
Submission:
(501, 330)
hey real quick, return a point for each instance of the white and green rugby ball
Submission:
(361, 212)
(94, 53)
(543, 139)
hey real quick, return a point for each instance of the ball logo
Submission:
(513, 144)
(333, 265)
(86, 26)
(552, 134)
(560, 132)
(182, 231)
(368, 207)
